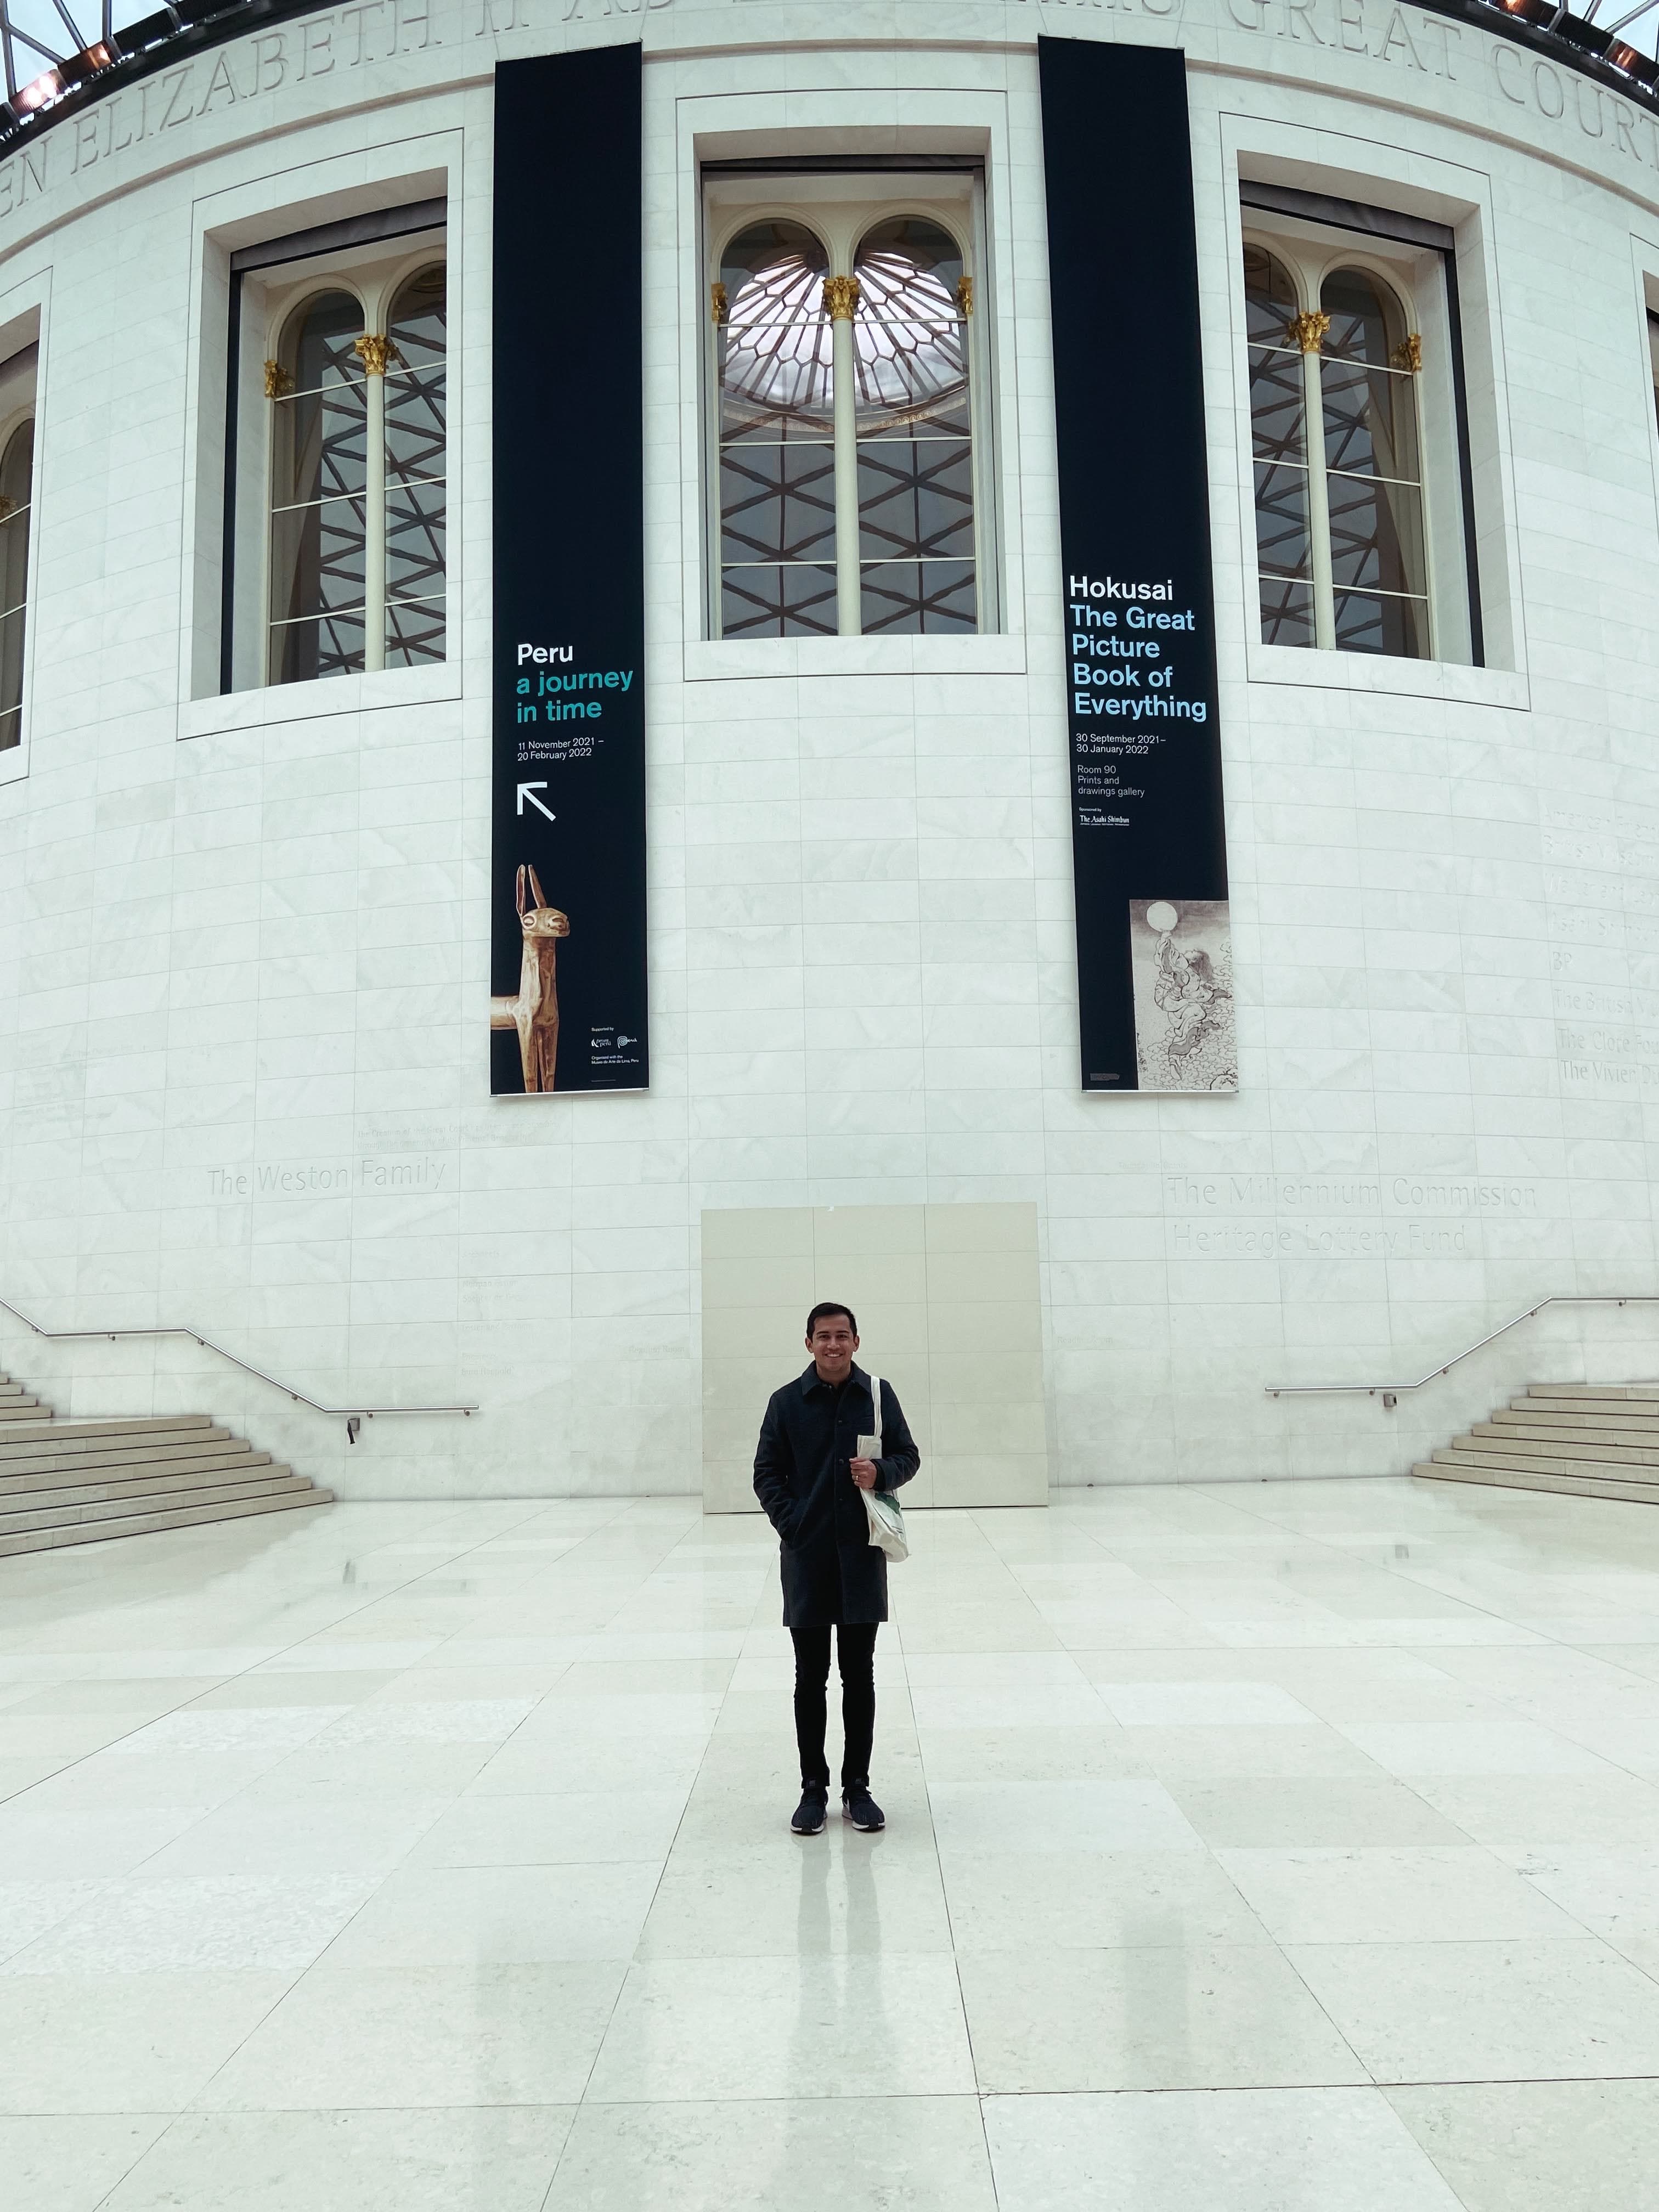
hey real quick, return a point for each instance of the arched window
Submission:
(1279, 439)
(843, 376)
(319, 468)
(1342, 544)
(416, 500)
(16, 498)
(916, 458)
(358, 495)
(1373, 476)
(777, 450)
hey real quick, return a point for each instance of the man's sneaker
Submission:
(810, 1812)
(858, 1807)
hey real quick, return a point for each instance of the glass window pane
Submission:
(329, 646)
(918, 597)
(11, 728)
(11, 669)
(1371, 623)
(778, 502)
(322, 342)
(784, 600)
(1270, 303)
(1367, 323)
(1653, 354)
(17, 467)
(317, 558)
(913, 418)
(1370, 420)
(916, 499)
(417, 325)
(415, 426)
(1283, 546)
(910, 335)
(16, 486)
(1287, 612)
(1377, 534)
(320, 448)
(1279, 410)
(416, 519)
(776, 354)
(414, 633)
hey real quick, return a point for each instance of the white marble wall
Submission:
(243, 943)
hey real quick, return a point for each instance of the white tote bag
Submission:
(886, 1522)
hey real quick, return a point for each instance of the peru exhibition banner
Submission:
(567, 947)
(1154, 957)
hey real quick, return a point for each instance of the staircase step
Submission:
(47, 1435)
(1632, 1392)
(126, 1482)
(1587, 1399)
(87, 1466)
(98, 1532)
(1529, 1443)
(1521, 1479)
(60, 1515)
(1587, 1469)
(91, 1481)
(1602, 1421)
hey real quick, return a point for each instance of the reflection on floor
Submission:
(435, 1856)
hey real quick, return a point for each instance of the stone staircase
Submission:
(80, 1482)
(1591, 1439)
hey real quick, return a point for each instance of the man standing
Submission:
(808, 1477)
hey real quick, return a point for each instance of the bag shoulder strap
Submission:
(875, 1403)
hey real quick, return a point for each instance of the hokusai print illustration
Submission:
(1181, 960)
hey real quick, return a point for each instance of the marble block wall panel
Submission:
(243, 941)
(947, 1301)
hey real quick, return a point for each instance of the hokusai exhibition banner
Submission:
(1155, 990)
(568, 944)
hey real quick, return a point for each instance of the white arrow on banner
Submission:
(528, 791)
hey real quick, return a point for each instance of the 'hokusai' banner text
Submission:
(1154, 953)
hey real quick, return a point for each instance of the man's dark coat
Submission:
(830, 1570)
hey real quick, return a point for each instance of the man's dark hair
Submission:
(826, 1312)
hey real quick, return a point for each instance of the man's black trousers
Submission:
(855, 1653)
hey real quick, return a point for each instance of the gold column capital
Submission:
(1309, 332)
(1408, 354)
(375, 351)
(841, 298)
(965, 296)
(719, 306)
(278, 382)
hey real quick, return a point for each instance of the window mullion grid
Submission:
(849, 571)
(1319, 505)
(375, 561)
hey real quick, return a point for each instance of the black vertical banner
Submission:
(568, 943)
(1149, 851)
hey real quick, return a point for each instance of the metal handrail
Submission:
(353, 1416)
(1389, 1392)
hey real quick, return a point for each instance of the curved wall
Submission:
(244, 940)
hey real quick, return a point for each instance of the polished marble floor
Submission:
(1279, 1848)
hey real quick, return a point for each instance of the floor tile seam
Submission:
(235, 1676)
(127, 2171)
(1387, 1566)
(956, 1966)
(1314, 1998)
(1372, 2088)
(600, 2040)
(1538, 1890)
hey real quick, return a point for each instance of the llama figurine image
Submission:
(535, 1012)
